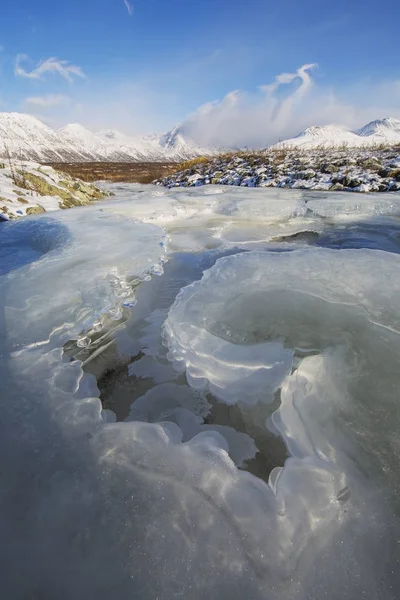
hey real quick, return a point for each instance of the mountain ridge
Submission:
(380, 131)
(25, 137)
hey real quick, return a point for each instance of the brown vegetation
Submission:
(117, 172)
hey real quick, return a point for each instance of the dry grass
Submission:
(116, 172)
(345, 147)
(194, 162)
(248, 155)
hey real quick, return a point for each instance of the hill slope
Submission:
(25, 137)
(381, 131)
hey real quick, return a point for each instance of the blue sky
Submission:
(144, 65)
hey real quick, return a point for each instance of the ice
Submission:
(166, 397)
(284, 340)
(205, 219)
(188, 409)
(327, 312)
(93, 278)
(233, 372)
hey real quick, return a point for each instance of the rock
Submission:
(260, 170)
(328, 169)
(216, 176)
(371, 163)
(362, 188)
(395, 174)
(395, 164)
(308, 174)
(249, 181)
(354, 182)
(348, 181)
(193, 178)
(35, 210)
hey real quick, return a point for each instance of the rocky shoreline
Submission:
(349, 169)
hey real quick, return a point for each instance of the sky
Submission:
(234, 73)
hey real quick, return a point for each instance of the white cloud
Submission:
(277, 111)
(129, 7)
(132, 107)
(51, 65)
(289, 103)
(47, 101)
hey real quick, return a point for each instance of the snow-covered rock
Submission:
(30, 188)
(323, 168)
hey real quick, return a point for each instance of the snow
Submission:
(112, 145)
(25, 137)
(386, 129)
(19, 196)
(252, 337)
(322, 168)
(381, 131)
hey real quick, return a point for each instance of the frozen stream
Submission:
(200, 397)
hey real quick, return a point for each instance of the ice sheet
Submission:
(156, 507)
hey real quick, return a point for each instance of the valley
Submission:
(128, 172)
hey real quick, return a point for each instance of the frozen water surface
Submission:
(200, 397)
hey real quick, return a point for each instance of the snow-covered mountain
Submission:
(141, 148)
(176, 140)
(381, 131)
(25, 137)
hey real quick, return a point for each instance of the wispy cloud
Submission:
(279, 110)
(47, 101)
(129, 7)
(288, 104)
(284, 108)
(51, 65)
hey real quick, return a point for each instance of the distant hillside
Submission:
(24, 137)
(379, 132)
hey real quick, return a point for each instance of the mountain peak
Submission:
(318, 130)
(71, 127)
(380, 131)
(25, 137)
(381, 127)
